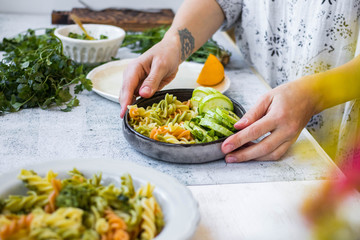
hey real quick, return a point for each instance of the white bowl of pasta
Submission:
(93, 202)
(185, 151)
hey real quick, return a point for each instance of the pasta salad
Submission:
(206, 117)
(80, 208)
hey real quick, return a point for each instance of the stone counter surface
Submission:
(94, 130)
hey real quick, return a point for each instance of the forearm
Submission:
(195, 22)
(335, 86)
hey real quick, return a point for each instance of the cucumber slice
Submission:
(187, 125)
(213, 101)
(216, 127)
(211, 114)
(194, 102)
(233, 115)
(205, 137)
(228, 115)
(198, 132)
(220, 120)
(203, 91)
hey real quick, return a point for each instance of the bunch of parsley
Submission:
(35, 73)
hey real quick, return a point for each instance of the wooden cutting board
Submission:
(128, 19)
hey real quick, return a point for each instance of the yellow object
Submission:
(212, 73)
(77, 20)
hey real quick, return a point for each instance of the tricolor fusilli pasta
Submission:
(163, 121)
(80, 208)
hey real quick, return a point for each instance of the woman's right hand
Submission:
(151, 71)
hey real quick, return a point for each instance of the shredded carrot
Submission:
(184, 134)
(177, 132)
(187, 103)
(153, 132)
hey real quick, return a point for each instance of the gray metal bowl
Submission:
(169, 152)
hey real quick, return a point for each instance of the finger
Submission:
(166, 81)
(263, 148)
(151, 84)
(277, 153)
(255, 113)
(133, 75)
(248, 134)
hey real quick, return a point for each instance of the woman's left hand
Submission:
(283, 112)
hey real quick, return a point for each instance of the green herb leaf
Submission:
(25, 64)
(35, 73)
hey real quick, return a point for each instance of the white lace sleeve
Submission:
(232, 10)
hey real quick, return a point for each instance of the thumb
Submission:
(255, 113)
(152, 82)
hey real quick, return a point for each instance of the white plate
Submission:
(107, 79)
(180, 209)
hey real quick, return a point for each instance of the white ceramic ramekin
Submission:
(91, 51)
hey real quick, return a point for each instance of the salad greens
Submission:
(140, 42)
(35, 73)
(84, 37)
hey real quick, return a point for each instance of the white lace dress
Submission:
(286, 39)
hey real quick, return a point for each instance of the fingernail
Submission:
(146, 90)
(230, 159)
(228, 148)
(242, 121)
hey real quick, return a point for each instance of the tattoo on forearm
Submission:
(187, 43)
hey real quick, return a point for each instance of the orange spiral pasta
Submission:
(117, 230)
(15, 226)
(50, 207)
(175, 130)
(134, 113)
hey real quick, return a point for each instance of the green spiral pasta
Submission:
(90, 234)
(95, 180)
(44, 234)
(100, 203)
(19, 204)
(159, 218)
(127, 187)
(109, 193)
(134, 217)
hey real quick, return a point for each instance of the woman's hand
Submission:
(284, 112)
(158, 66)
(150, 72)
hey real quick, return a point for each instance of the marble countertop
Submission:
(93, 130)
